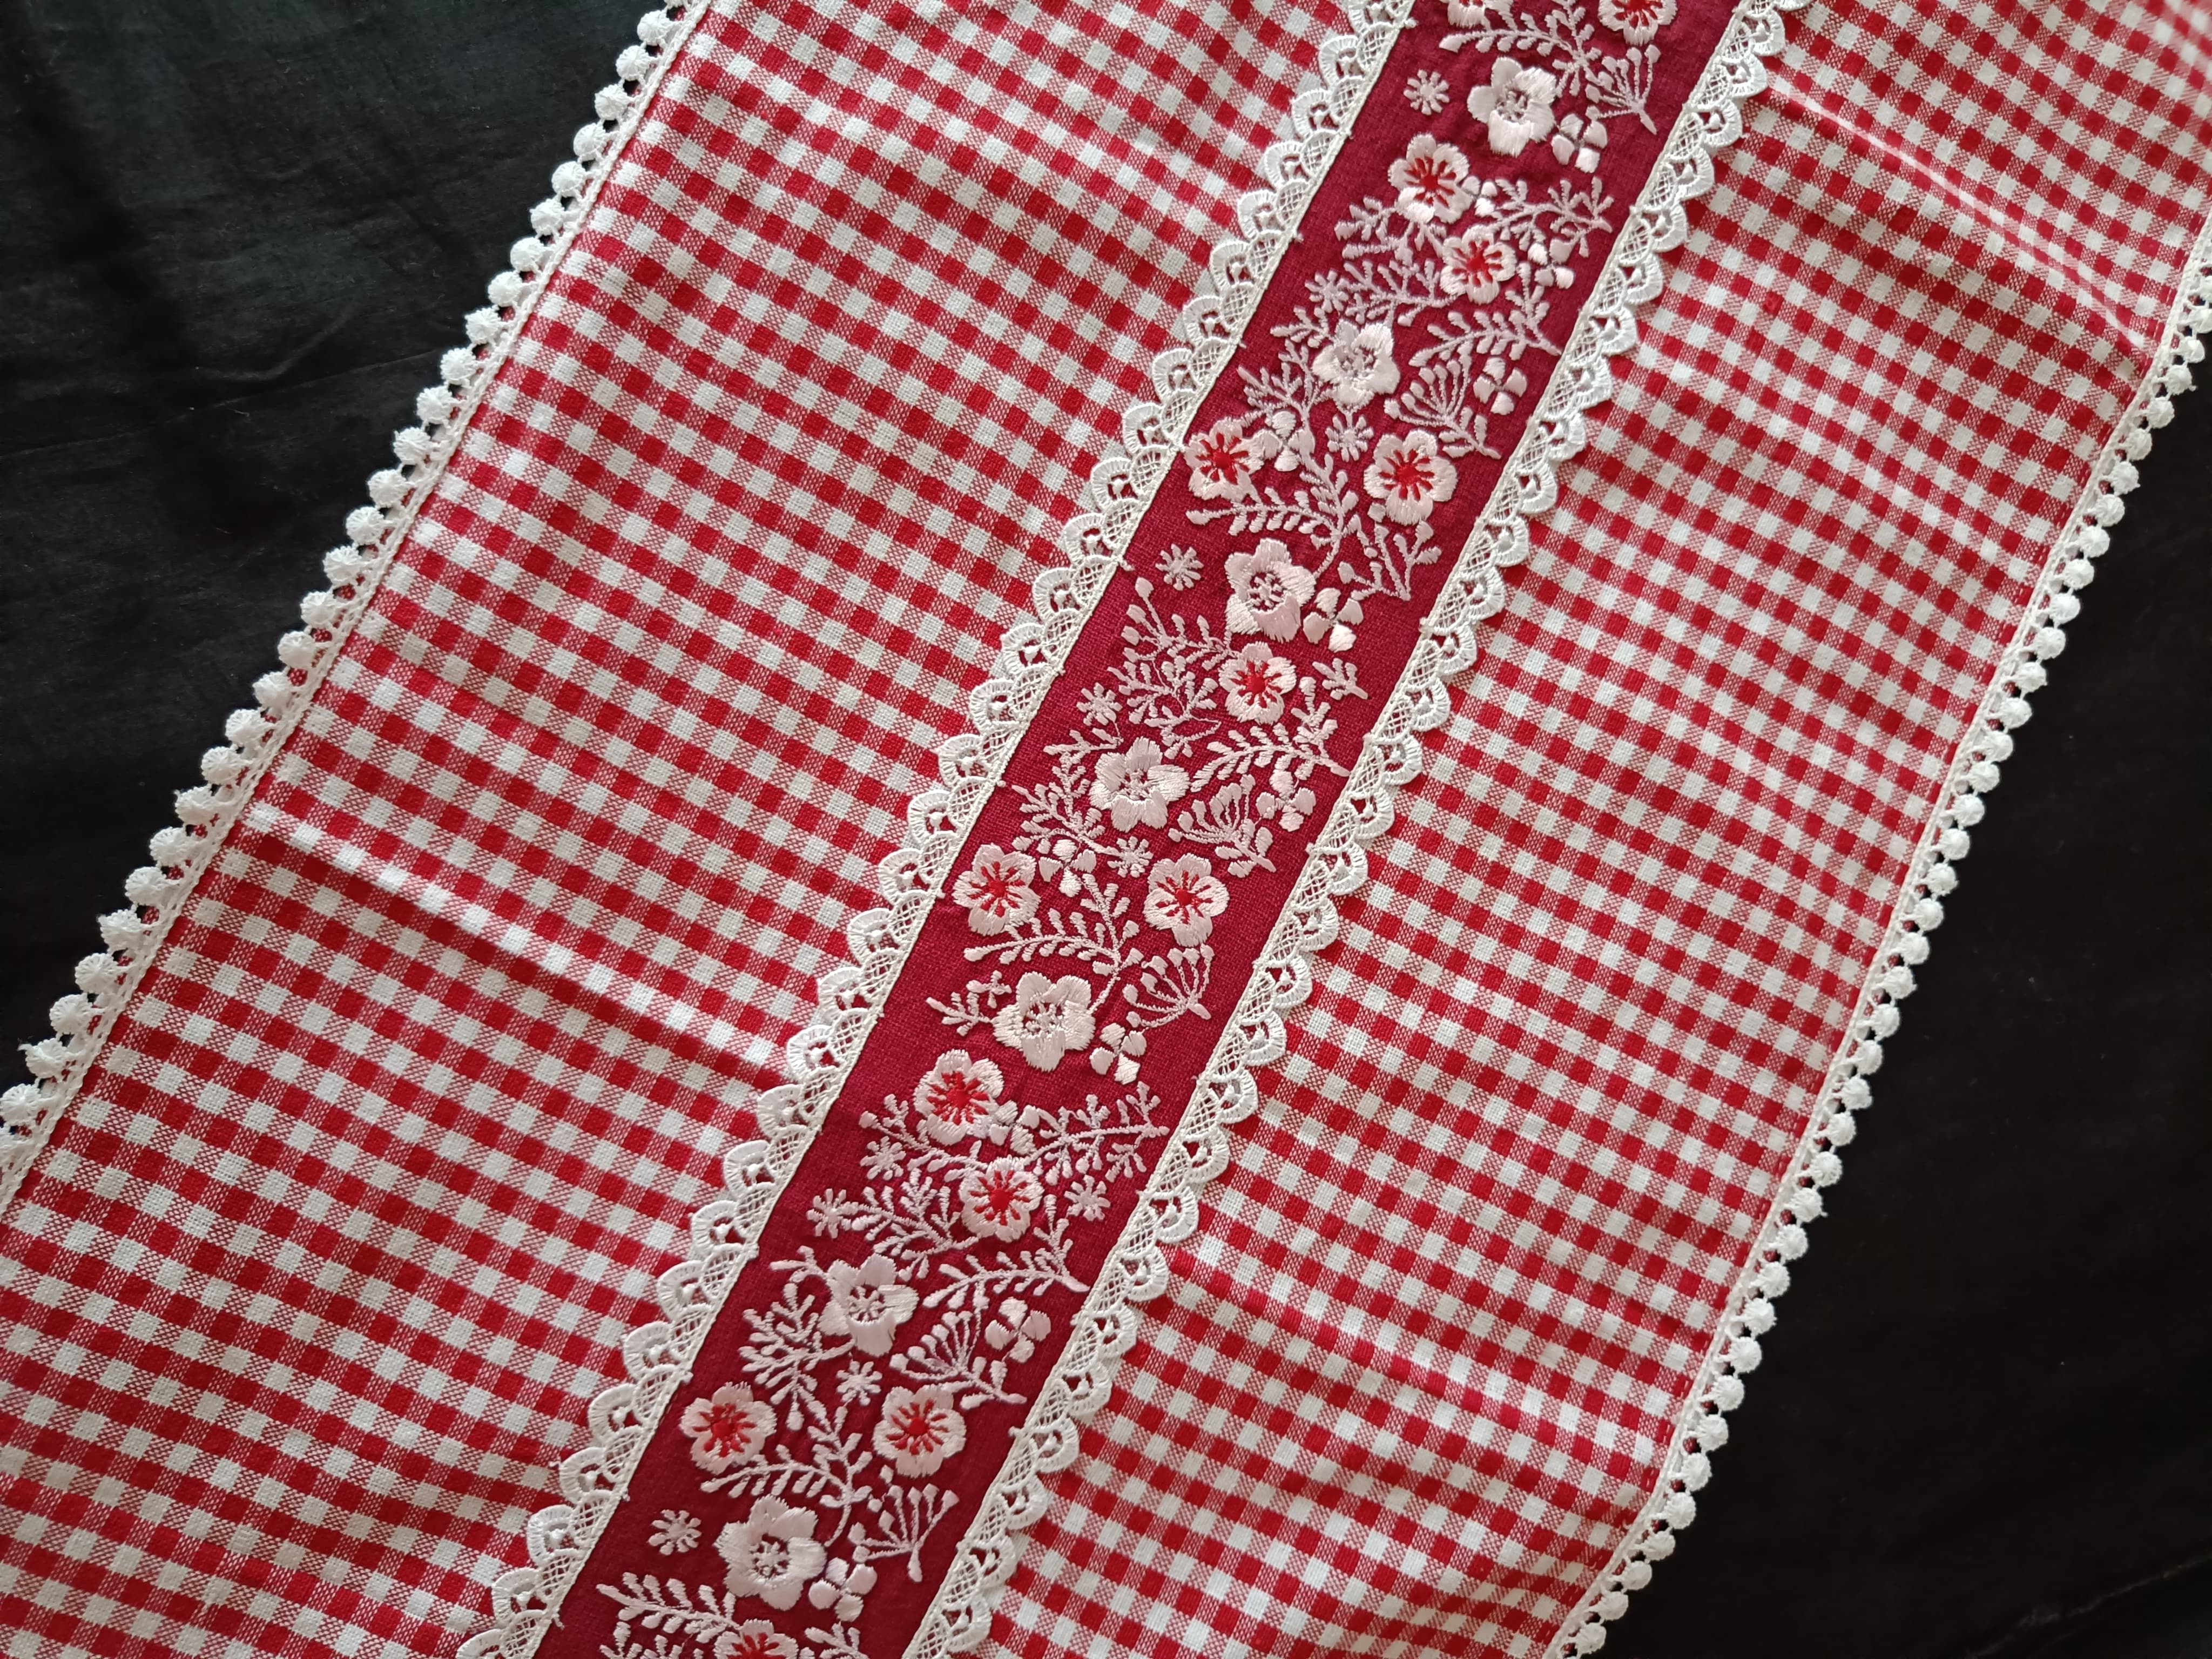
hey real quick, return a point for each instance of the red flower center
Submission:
(915, 1427)
(1410, 473)
(959, 1098)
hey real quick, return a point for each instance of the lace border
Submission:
(1931, 877)
(1170, 1209)
(622, 1418)
(159, 891)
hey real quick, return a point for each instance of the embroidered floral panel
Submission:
(855, 1396)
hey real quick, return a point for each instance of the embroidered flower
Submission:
(1516, 104)
(1349, 436)
(919, 1429)
(1473, 13)
(1184, 896)
(959, 1099)
(1578, 142)
(996, 1200)
(996, 889)
(1409, 476)
(1257, 682)
(1018, 1329)
(1502, 385)
(728, 1428)
(755, 1639)
(675, 1532)
(858, 1384)
(1638, 20)
(1046, 1018)
(1179, 568)
(1427, 92)
(1477, 265)
(1432, 181)
(1225, 457)
(867, 1304)
(772, 1552)
(1285, 801)
(1332, 618)
(1118, 1051)
(1137, 785)
(1266, 590)
(1356, 367)
(840, 1589)
(1087, 1201)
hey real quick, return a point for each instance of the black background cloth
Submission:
(235, 237)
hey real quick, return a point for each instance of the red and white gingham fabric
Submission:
(308, 1295)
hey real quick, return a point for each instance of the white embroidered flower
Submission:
(867, 1304)
(1431, 180)
(919, 1429)
(755, 1639)
(1477, 265)
(1118, 1051)
(772, 1552)
(728, 1428)
(1638, 20)
(1184, 896)
(1018, 1329)
(1577, 141)
(995, 888)
(1409, 476)
(1516, 104)
(1046, 1018)
(1087, 1201)
(958, 1099)
(1180, 569)
(1332, 618)
(996, 1200)
(1225, 457)
(1427, 92)
(1474, 14)
(1136, 786)
(1266, 590)
(1285, 801)
(840, 1589)
(1356, 367)
(1501, 385)
(1257, 682)
(675, 1532)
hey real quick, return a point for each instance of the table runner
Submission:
(1970, 673)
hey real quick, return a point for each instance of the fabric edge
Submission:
(1931, 875)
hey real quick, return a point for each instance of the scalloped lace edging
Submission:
(1932, 877)
(1170, 1209)
(158, 892)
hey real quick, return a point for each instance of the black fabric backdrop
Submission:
(235, 236)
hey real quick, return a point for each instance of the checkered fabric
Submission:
(1419, 1368)
(306, 1297)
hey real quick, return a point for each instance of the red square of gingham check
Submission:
(308, 1295)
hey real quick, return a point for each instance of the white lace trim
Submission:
(162, 890)
(1169, 1211)
(1973, 773)
(725, 1231)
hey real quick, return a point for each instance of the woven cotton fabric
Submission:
(308, 1293)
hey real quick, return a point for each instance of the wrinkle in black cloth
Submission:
(236, 235)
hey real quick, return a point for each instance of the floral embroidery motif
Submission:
(1201, 733)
